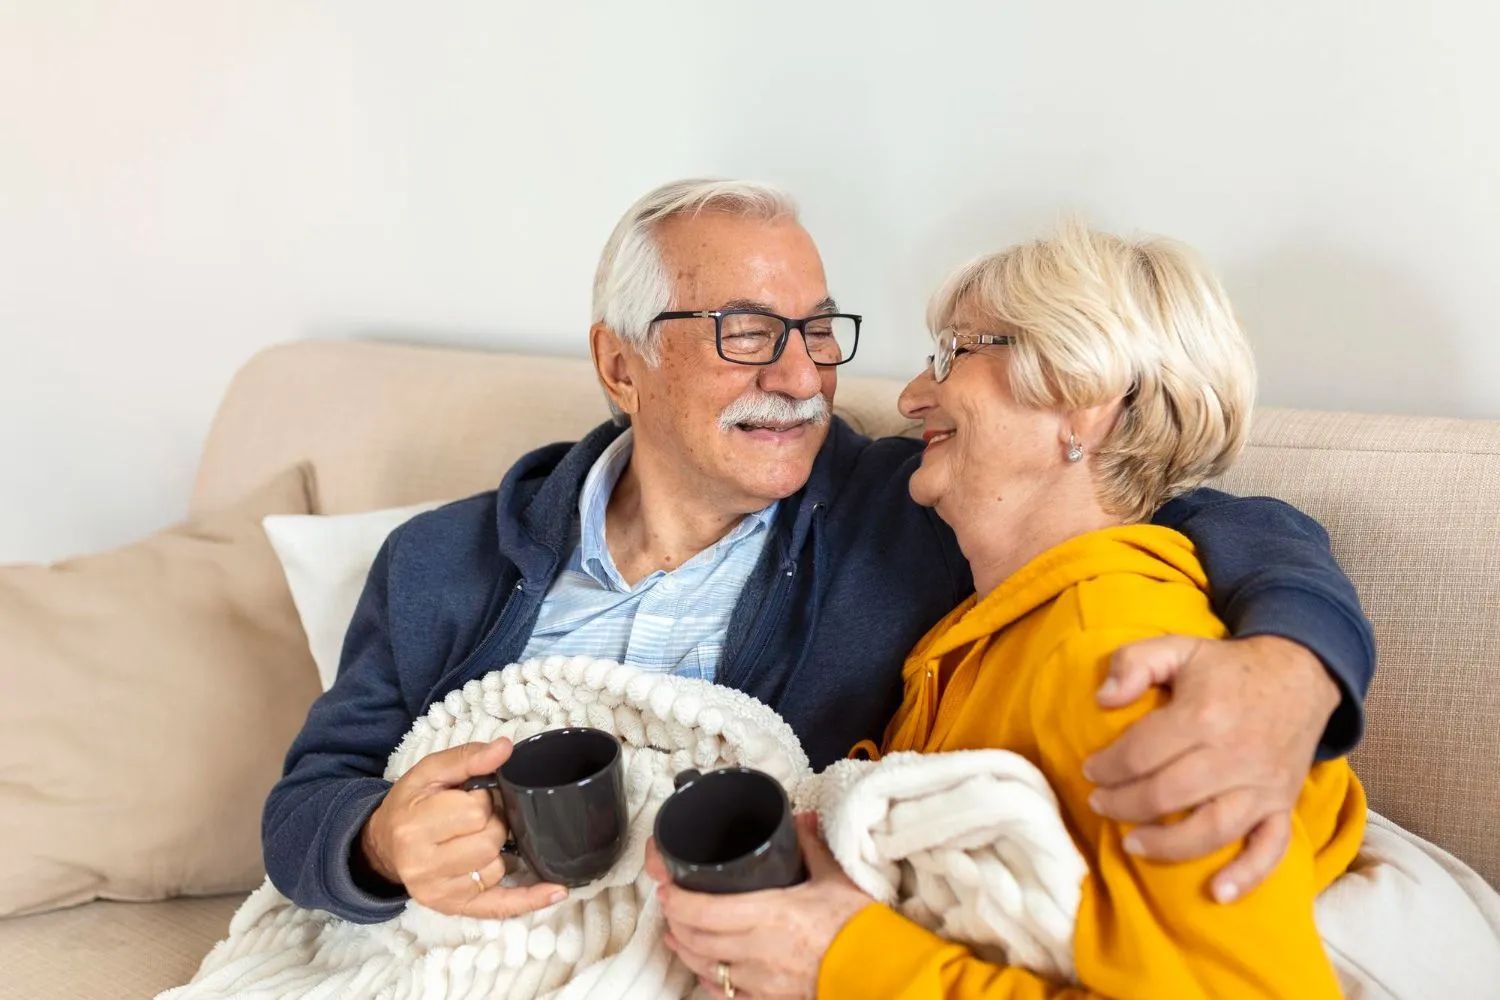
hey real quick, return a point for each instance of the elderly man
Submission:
(724, 526)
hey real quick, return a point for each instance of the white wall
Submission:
(182, 183)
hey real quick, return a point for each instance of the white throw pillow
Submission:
(326, 558)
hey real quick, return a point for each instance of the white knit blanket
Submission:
(968, 844)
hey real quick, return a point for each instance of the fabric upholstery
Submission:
(1413, 505)
(1413, 508)
(149, 695)
(109, 951)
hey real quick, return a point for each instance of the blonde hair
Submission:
(1097, 318)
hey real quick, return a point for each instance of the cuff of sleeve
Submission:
(1323, 627)
(877, 952)
(361, 896)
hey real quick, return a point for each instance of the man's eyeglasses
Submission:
(951, 343)
(751, 337)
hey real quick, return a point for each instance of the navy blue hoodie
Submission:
(853, 575)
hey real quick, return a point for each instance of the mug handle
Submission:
(482, 782)
(491, 782)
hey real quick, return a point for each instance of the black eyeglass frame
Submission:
(788, 325)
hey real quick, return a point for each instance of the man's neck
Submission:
(654, 522)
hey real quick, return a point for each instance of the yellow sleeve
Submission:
(1144, 929)
(1149, 928)
(881, 953)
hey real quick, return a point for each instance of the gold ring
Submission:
(721, 970)
(478, 879)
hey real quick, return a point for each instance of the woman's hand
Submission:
(771, 941)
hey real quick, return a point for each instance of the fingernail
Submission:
(1107, 689)
(1226, 892)
(1088, 769)
(1132, 844)
(558, 896)
(1096, 798)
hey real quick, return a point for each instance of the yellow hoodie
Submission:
(1018, 670)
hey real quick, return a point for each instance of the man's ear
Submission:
(612, 363)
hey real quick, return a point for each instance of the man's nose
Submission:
(794, 373)
(916, 399)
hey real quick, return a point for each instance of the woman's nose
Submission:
(916, 398)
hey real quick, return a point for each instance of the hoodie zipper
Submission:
(445, 683)
(786, 575)
(772, 619)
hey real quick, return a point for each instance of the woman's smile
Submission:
(935, 438)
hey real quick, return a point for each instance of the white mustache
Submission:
(759, 409)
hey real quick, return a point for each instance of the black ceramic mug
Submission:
(563, 793)
(730, 830)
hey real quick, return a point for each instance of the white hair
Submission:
(631, 284)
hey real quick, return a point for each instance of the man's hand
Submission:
(1232, 748)
(428, 835)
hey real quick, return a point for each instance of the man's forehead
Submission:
(714, 260)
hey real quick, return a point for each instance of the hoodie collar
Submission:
(1142, 549)
(537, 501)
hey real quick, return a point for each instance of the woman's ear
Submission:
(1090, 427)
(612, 363)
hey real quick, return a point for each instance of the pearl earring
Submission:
(1075, 450)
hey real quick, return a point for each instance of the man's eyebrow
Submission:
(749, 304)
(828, 305)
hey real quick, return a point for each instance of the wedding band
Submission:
(478, 880)
(721, 970)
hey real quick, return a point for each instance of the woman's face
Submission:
(986, 454)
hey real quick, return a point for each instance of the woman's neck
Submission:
(1000, 537)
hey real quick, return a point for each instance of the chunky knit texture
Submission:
(603, 940)
(968, 844)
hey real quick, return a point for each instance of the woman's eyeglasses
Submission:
(951, 343)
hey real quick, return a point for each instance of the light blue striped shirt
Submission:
(671, 621)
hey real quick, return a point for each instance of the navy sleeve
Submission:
(1271, 571)
(332, 779)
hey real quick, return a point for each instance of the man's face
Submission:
(716, 260)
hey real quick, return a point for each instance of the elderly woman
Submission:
(1078, 384)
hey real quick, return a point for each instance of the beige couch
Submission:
(1413, 506)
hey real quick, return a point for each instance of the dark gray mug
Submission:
(563, 792)
(729, 830)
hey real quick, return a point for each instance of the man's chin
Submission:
(774, 465)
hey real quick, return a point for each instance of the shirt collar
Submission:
(593, 502)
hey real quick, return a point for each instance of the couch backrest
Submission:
(1412, 504)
